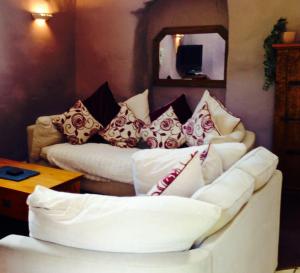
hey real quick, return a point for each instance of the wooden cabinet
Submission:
(286, 142)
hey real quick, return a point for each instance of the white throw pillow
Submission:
(149, 166)
(119, 224)
(260, 163)
(230, 191)
(212, 165)
(225, 121)
(237, 135)
(139, 105)
(183, 180)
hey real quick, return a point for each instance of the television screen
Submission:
(189, 59)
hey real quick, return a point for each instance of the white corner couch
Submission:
(113, 174)
(248, 244)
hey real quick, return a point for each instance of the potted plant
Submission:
(270, 53)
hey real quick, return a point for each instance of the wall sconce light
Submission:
(42, 16)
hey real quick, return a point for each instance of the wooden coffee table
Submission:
(13, 195)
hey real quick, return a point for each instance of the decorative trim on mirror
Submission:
(195, 82)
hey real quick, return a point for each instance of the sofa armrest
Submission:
(28, 255)
(249, 140)
(43, 133)
(239, 134)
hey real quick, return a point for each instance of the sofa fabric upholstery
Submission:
(227, 251)
(119, 224)
(43, 136)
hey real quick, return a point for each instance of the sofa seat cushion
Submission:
(95, 161)
(144, 224)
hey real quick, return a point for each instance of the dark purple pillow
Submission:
(181, 109)
(103, 107)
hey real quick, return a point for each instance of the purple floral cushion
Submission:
(164, 132)
(124, 130)
(200, 128)
(77, 124)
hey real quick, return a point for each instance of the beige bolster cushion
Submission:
(44, 134)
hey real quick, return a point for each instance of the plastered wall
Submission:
(37, 69)
(249, 23)
(43, 69)
(114, 43)
(112, 35)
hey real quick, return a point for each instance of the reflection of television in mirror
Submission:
(189, 60)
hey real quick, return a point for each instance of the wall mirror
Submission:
(191, 56)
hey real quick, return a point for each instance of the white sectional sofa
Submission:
(107, 169)
(246, 244)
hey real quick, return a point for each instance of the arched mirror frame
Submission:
(222, 31)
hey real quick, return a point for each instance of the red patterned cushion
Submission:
(200, 128)
(77, 124)
(183, 180)
(164, 132)
(124, 130)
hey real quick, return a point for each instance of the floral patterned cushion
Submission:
(200, 128)
(184, 179)
(124, 130)
(77, 124)
(223, 118)
(164, 132)
(199, 169)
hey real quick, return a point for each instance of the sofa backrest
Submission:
(233, 189)
(259, 163)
